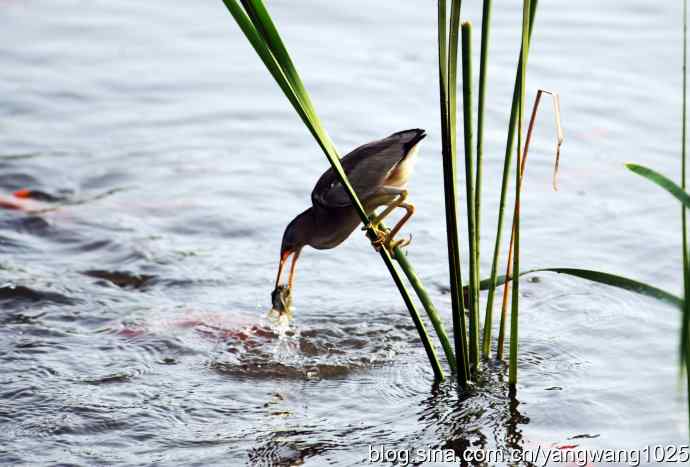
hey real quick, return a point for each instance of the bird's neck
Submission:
(332, 226)
(305, 223)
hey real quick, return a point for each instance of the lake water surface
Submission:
(133, 323)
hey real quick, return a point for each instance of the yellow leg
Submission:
(396, 203)
(295, 256)
(387, 237)
(383, 235)
(376, 220)
(391, 243)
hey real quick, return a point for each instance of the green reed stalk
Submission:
(469, 188)
(447, 73)
(260, 31)
(431, 311)
(483, 61)
(515, 301)
(510, 140)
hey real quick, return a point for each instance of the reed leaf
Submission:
(510, 141)
(516, 210)
(469, 189)
(428, 305)
(481, 103)
(662, 181)
(605, 278)
(447, 72)
(260, 31)
(515, 301)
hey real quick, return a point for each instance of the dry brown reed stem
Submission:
(516, 212)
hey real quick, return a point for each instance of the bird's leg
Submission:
(385, 237)
(383, 234)
(291, 278)
(396, 203)
(391, 243)
(283, 258)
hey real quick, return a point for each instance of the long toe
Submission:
(401, 242)
(391, 244)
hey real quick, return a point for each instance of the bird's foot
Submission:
(382, 236)
(372, 224)
(385, 239)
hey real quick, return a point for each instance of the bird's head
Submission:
(296, 235)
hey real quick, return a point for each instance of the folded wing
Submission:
(367, 167)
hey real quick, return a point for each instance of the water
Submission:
(133, 311)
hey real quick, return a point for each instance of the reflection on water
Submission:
(455, 426)
(162, 166)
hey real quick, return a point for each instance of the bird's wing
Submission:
(367, 167)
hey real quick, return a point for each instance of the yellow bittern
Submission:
(379, 172)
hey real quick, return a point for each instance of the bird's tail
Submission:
(410, 138)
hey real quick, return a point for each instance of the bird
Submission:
(378, 172)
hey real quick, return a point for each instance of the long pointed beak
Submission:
(283, 257)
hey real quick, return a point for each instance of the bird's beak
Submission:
(283, 258)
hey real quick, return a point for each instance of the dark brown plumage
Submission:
(379, 172)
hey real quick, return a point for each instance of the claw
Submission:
(372, 224)
(402, 242)
(381, 236)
